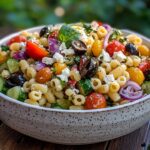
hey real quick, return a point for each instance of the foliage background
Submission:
(132, 14)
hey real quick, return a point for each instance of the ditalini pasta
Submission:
(75, 66)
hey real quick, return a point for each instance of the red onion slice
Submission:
(53, 45)
(107, 27)
(131, 91)
(107, 39)
(19, 55)
(39, 65)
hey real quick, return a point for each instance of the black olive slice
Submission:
(79, 47)
(43, 31)
(131, 49)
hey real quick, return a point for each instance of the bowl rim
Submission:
(5, 97)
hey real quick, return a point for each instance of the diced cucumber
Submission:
(85, 86)
(3, 66)
(65, 104)
(13, 65)
(2, 82)
(146, 87)
(55, 105)
(16, 93)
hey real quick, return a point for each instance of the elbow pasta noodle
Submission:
(69, 92)
(96, 83)
(31, 72)
(114, 87)
(39, 87)
(122, 80)
(101, 32)
(78, 100)
(107, 67)
(35, 95)
(126, 74)
(115, 97)
(43, 41)
(50, 96)
(118, 71)
(55, 83)
(29, 101)
(5, 74)
(104, 88)
(136, 61)
(23, 65)
(15, 47)
(101, 73)
(27, 86)
(59, 94)
(134, 39)
(42, 101)
(129, 61)
(114, 63)
(94, 36)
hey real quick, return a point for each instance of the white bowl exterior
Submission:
(74, 127)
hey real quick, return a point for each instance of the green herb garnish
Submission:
(4, 48)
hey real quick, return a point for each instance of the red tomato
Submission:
(115, 46)
(95, 101)
(17, 39)
(144, 66)
(99, 23)
(34, 51)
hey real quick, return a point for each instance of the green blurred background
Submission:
(131, 14)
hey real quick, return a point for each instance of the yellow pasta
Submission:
(29, 101)
(31, 72)
(59, 94)
(94, 35)
(134, 39)
(96, 83)
(76, 107)
(114, 87)
(39, 87)
(114, 63)
(42, 101)
(5, 74)
(107, 67)
(23, 65)
(101, 73)
(129, 61)
(35, 95)
(136, 60)
(55, 83)
(78, 100)
(101, 32)
(119, 71)
(104, 88)
(27, 86)
(50, 96)
(115, 97)
(126, 74)
(75, 75)
(43, 41)
(15, 47)
(122, 80)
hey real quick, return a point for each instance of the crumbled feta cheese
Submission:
(48, 61)
(66, 51)
(119, 56)
(106, 56)
(58, 57)
(65, 74)
(109, 78)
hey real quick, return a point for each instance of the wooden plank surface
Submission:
(12, 140)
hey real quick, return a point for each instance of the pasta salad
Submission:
(75, 66)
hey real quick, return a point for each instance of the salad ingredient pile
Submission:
(75, 66)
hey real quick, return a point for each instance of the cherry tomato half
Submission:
(43, 75)
(34, 51)
(115, 46)
(17, 39)
(95, 101)
(144, 66)
(54, 34)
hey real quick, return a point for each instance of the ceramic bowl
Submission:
(74, 126)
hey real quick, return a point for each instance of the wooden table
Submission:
(12, 140)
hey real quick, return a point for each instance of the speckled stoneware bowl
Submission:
(72, 126)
